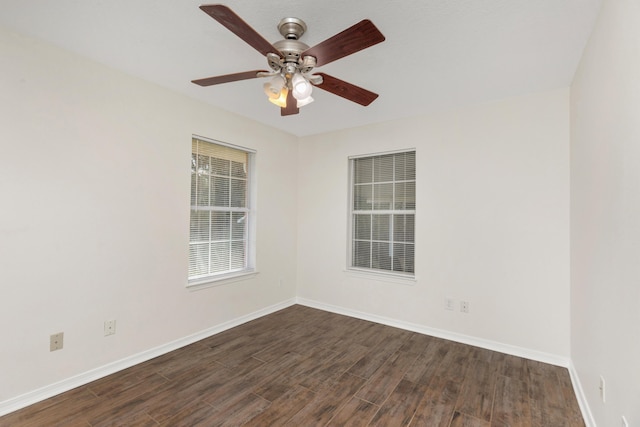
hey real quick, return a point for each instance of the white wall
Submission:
(492, 222)
(94, 215)
(605, 215)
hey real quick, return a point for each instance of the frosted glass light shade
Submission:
(303, 102)
(301, 87)
(281, 100)
(274, 87)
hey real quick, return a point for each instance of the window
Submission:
(221, 215)
(382, 220)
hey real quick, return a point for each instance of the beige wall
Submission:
(94, 185)
(605, 215)
(492, 223)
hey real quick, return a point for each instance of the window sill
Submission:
(382, 277)
(209, 282)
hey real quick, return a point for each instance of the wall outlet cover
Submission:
(56, 341)
(464, 306)
(109, 327)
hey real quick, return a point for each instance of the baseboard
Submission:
(582, 398)
(440, 333)
(51, 390)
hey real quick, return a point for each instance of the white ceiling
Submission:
(438, 54)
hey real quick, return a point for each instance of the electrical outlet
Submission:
(448, 304)
(624, 422)
(109, 327)
(602, 389)
(464, 306)
(56, 341)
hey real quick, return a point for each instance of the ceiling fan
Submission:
(292, 61)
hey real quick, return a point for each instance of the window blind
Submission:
(383, 212)
(220, 211)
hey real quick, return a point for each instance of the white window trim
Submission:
(221, 280)
(380, 275)
(250, 271)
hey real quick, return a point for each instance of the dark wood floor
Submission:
(306, 367)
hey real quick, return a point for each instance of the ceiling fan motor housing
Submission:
(291, 47)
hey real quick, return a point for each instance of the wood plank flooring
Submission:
(306, 367)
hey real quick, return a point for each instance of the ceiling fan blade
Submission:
(210, 81)
(346, 90)
(355, 38)
(237, 26)
(292, 105)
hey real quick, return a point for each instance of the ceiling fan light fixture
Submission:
(274, 86)
(267, 90)
(301, 87)
(302, 102)
(281, 100)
